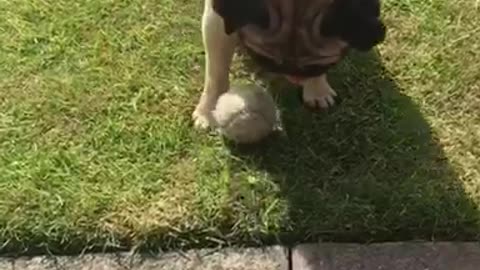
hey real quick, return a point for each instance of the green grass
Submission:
(97, 149)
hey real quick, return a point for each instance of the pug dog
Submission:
(299, 39)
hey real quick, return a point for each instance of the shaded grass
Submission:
(97, 149)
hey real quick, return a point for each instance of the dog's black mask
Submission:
(355, 21)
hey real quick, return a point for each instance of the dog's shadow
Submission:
(370, 169)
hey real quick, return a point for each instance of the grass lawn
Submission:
(97, 150)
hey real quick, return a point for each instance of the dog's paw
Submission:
(202, 119)
(323, 97)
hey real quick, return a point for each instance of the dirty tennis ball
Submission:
(246, 114)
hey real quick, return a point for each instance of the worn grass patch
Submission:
(97, 149)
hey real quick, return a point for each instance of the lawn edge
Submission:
(309, 256)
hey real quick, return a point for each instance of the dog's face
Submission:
(302, 37)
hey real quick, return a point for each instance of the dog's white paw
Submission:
(321, 97)
(202, 119)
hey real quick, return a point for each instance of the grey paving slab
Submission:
(275, 258)
(390, 256)
(272, 258)
(6, 264)
(85, 262)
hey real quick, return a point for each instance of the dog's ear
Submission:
(357, 22)
(368, 34)
(239, 13)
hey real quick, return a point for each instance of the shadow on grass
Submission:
(368, 170)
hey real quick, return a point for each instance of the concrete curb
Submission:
(387, 256)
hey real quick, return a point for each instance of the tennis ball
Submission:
(246, 114)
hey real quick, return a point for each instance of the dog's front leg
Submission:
(219, 49)
(317, 92)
